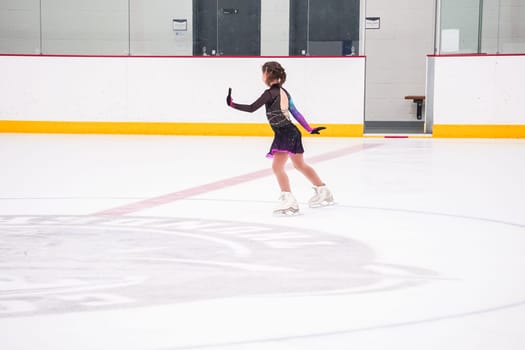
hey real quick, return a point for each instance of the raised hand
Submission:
(229, 97)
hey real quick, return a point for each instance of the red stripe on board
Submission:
(188, 57)
(217, 185)
(477, 55)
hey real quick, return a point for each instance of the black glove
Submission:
(229, 97)
(316, 130)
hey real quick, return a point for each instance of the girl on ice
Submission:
(287, 141)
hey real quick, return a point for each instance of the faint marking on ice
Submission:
(98, 299)
(176, 259)
(60, 288)
(235, 265)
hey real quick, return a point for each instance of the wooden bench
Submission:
(418, 100)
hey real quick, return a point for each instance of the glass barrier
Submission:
(324, 28)
(460, 26)
(239, 27)
(481, 27)
(503, 26)
(180, 28)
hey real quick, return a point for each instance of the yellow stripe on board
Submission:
(146, 128)
(237, 129)
(481, 131)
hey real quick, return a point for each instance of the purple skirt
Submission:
(286, 139)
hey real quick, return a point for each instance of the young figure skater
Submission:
(287, 139)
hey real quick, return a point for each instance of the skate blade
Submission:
(323, 204)
(286, 212)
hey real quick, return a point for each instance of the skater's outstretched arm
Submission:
(261, 101)
(302, 120)
(299, 117)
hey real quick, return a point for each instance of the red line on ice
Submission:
(217, 185)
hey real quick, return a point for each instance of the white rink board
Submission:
(173, 89)
(479, 90)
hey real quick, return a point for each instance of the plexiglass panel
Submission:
(482, 26)
(238, 27)
(180, 28)
(324, 27)
(460, 26)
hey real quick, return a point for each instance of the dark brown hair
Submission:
(275, 71)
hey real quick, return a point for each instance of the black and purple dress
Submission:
(279, 105)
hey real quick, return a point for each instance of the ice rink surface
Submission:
(169, 243)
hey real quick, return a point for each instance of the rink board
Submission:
(172, 95)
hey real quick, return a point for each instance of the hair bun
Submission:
(275, 71)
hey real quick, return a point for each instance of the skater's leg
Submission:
(322, 196)
(305, 169)
(278, 167)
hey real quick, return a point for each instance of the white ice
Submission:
(424, 248)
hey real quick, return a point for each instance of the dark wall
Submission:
(330, 21)
(231, 27)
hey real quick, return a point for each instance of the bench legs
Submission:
(419, 104)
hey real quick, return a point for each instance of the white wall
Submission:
(490, 32)
(275, 27)
(396, 55)
(98, 27)
(20, 26)
(325, 90)
(151, 27)
(478, 90)
(512, 26)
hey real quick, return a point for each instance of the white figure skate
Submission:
(287, 206)
(322, 197)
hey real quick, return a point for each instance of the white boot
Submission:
(287, 204)
(322, 197)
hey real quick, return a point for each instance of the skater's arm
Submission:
(299, 117)
(265, 97)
